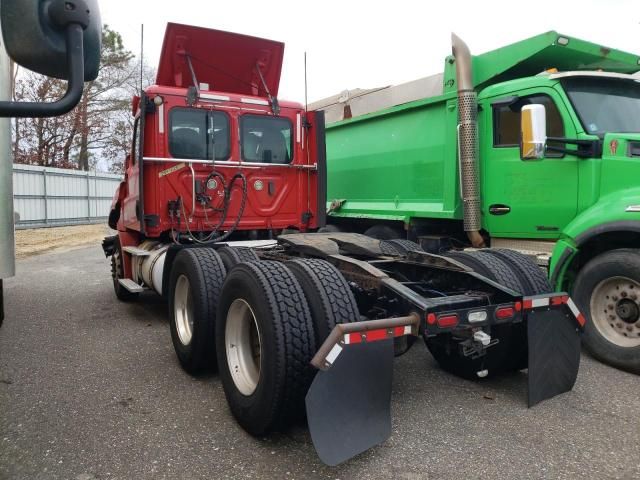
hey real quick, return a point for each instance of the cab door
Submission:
(526, 198)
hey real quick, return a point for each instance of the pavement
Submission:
(90, 388)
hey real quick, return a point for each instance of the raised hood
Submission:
(224, 60)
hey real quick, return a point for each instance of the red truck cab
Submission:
(214, 151)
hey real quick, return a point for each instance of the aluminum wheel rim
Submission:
(615, 310)
(243, 346)
(183, 310)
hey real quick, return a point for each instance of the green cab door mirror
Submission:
(533, 132)
(57, 38)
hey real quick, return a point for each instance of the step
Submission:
(130, 285)
(136, 252)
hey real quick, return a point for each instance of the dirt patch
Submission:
(42, 240)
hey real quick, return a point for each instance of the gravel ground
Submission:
(40, 240)
(90, 389)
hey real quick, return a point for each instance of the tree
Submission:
(98, 130)
(119, 143)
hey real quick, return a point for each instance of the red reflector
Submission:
(355, 338)
(447, 321)
(505, 312)
(373, 335)
(431, 319)
(518, 306)
(557, 300)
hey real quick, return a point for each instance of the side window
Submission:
(135, 147)
(199, 134)
(266, 139)
(506, 121)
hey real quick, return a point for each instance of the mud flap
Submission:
(554, 353)
(349, 405)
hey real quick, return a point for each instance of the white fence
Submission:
(52, 197)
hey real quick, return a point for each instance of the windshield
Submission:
(604, 104)
(198, 134)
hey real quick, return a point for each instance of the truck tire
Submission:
(534, 282)
(607, 291)
(231, 256)
(491, 267)
(117, 272)
(401, 246)
(265, 341)
(329, 228)
(532, 278)
(508, 353)
(194, 290)
(330, 298)
(383, 232)
(388, 249)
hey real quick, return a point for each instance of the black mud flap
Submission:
(349, 405)
(554, 353)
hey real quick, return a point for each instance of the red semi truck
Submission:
(307, 323)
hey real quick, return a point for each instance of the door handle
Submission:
(499, 209)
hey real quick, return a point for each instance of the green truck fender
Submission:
(612, 222)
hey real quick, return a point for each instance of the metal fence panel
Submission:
(45, 197)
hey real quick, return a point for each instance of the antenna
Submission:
(305, 133)
(141, 55)
(305, 82)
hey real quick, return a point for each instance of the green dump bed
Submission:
(399, 162)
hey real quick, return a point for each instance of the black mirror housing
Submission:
(34, 33)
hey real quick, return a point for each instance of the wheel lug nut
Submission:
(612, 317)
(629, 328)
(610, 306)
(619, 324)
(614, 297)
(633, 296)
(623, 294)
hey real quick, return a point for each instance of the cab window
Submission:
(199, 134)
(266, 139)
(506, 120)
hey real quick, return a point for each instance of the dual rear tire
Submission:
(260, 323)
(272, 317)
(512, 270)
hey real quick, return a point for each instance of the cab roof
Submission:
(227, 62)
(550, 50)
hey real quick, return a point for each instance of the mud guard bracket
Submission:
(349, 405)
(554, 353)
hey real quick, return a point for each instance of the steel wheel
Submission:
(243, 346)
(183, 308)
(117, 272)
(615, 310)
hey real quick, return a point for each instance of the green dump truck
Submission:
(440, 161)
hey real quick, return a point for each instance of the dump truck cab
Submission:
(548, 194)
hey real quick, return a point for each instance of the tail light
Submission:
(502, 313)
(448, 320)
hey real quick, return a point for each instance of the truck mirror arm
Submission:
(586, 148)
(75, 59)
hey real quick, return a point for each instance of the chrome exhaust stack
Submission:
(468, 142)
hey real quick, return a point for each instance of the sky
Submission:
(367, 44)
